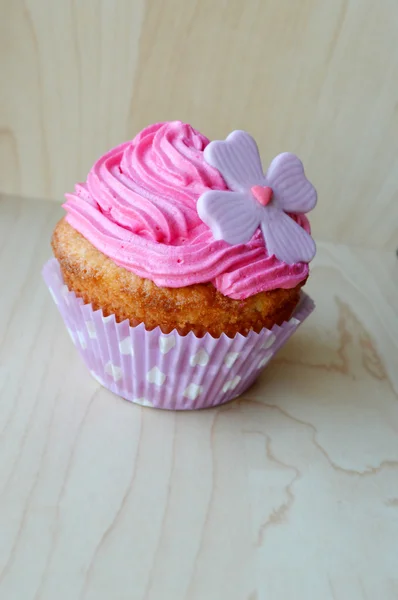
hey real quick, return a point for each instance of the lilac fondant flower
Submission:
(257, 199)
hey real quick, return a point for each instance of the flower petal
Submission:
(292, 190)
(238, 160)
(285, 239)
(231, 216)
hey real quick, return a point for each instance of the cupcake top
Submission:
(174, 208)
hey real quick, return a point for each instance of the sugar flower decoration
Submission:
(258, 199)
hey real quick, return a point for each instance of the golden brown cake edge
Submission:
(198, 308)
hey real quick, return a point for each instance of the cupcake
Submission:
(179, 265)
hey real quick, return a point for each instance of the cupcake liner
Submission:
(167, 371)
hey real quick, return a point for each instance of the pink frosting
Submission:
(138, 207)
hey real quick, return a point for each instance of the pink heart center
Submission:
(262, 194)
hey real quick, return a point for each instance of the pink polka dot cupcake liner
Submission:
(167, 371)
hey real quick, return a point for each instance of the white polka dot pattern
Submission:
(126, 347)
(192, 391)
(269, 341)
(156, 376)
(90, 325)
(114, 371)
(201, 358)
(264, 361)
(230, 359)
(167, 343)
(231, 384)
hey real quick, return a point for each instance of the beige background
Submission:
(292, 490)
(316, 77)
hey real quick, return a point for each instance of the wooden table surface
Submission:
(289, 492)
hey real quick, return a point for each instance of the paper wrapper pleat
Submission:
(166, 370)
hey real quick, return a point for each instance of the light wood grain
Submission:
(317, 78)
(289, 492)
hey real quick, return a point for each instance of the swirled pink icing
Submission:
(138, 207)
